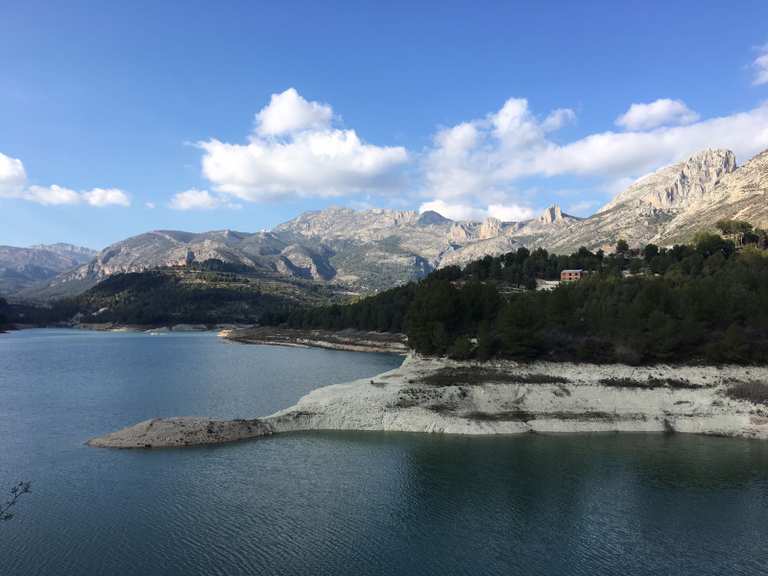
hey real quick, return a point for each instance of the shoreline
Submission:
(347, 340)
(436, 395)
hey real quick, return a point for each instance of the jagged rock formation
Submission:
(680, 186)
(741, 194)
(674, 203)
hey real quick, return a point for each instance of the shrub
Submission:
(753, 391)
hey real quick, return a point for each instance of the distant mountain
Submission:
(367, 250)
(23, 268)
(260, 252)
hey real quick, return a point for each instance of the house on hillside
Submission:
(572, 275)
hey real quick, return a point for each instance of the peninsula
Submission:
(438, 395)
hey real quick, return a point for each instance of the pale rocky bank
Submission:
(443, 396)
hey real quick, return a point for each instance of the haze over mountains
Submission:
(367, 250)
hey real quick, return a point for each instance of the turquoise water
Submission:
(339, 503)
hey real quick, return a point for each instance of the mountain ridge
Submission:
(367, 250)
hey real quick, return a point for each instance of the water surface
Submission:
(339, 503)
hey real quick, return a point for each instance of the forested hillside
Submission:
(210, 292)
(707, 301)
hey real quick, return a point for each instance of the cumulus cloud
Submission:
(760, 66)
(453, 211)
(288, 112)
(463, 170)
(458, 211)
(510, 212)
(56, 195)
(106, 197)
(12, 176)
(13, 184)
(662, 112)
(477, 163)
(53, 195)
(294, 151)
(195, 199)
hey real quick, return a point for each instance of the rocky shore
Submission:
(442, 396)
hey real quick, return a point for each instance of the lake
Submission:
(338, 503)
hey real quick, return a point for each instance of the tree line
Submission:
(707, 301)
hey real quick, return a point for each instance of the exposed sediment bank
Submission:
(442, 396)
(350, 340)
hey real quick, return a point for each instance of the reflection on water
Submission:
(341, 503)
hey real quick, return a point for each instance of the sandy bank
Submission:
(441, 396)
(350, 340)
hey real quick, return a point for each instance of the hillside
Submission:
(24, 268)
(210, 293)
(702, 303)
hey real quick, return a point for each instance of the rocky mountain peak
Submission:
(430, 217)
(551, 215)
(682, 185)
(490, 228)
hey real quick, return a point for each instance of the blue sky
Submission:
(144, 115)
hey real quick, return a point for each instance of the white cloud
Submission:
(510, 212)
(150, 205)
(13, 184)
(453, 211)
(56, 195)
(288, 112)
(478, 162)
(458, 211)
(106, 197)
(51, 195)
(12, 176)
(557, 119)
(760, 66)
(662, 112)
(311, 159)
(195, 199)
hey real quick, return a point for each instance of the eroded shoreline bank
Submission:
(443, 396)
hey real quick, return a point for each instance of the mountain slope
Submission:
(23, 268)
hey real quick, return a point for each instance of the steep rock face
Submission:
(490, 228)
(552, 215)
(741, 194)
(300, 261)
(681, 186)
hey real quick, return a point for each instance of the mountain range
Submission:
(367, 250)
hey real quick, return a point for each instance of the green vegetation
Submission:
(703, 302)
(467, 376)
(5, 313)
(208, 293)
(755, 392)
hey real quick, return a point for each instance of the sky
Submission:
(117, 118)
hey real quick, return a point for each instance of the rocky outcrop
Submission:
(440, 396)
(552, 215)
(685, 185)
(490, 228)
